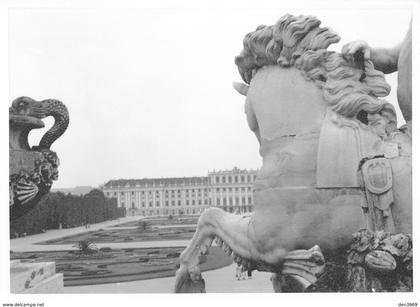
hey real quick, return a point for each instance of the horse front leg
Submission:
(231, 233)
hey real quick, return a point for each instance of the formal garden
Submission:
(147, 229)
(162, 221)
(88, 265)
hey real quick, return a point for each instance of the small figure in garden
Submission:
(243, 273)
(249, 274)
(238, 272)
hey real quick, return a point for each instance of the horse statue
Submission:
(322, 129)
(32, 170)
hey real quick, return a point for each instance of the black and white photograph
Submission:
(232, 148)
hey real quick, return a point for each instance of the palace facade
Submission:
(230, 190)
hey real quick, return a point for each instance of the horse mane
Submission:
(349, 86)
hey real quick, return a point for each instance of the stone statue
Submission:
(389, 60)
(32, 170)
(374, 254)
(309, 109)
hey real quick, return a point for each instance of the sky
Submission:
(149, 91)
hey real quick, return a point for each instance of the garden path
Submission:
(217, 281)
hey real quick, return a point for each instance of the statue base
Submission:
(380, 262)
(31, 278)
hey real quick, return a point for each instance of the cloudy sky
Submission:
(150, 90)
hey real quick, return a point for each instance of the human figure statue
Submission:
(389, 60)
(397, 148)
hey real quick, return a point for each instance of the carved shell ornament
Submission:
(24, 188)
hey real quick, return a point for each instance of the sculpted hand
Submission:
(357, 47)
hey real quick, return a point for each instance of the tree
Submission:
(86, 247)
(69, 210)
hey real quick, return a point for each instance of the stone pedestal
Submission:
(29, 277)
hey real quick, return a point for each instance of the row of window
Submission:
(118, 185)
(194, 192)
(187, 194)
(249, 189)
(165, 212)
(178, 197)
(173, 203)
(151, 212)
(224, 201)
(235, 178)
(219, 201)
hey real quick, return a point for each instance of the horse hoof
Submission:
(195, 274)
(189, 281)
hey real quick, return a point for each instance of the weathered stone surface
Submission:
(380, 261)
(40, 277)
(32, 170)
(52, 284)
(308, 108)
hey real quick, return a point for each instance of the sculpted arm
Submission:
(384, 59)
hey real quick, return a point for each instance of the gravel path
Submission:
(217, 281)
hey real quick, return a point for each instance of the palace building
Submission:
(230, 190)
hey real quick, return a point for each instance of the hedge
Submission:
(68, 210)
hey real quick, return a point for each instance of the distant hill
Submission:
(80, 190)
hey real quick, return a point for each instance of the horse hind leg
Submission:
(230, 231)
(233, 233)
